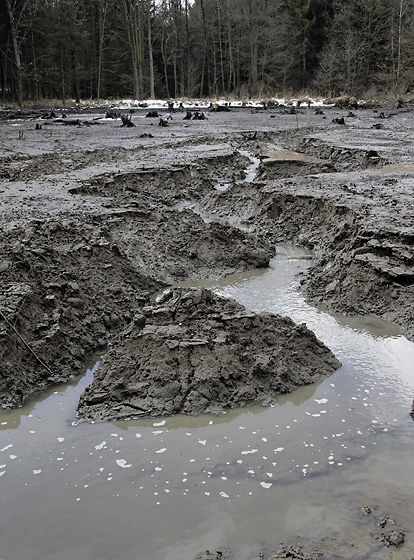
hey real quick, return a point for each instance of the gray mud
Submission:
(92, 222)
(94, 219)
(194, 352)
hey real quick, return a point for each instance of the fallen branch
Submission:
(25, 343)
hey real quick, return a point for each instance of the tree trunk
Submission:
(150, 54)
(232, 73)
(102, 23)
(16, 54)
(133, 23)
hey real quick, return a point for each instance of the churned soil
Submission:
(194, 352)
(95, 218)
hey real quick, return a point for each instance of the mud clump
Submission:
(68, 287)
(64, 292)
(194, 352)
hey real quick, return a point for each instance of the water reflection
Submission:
(168, 488)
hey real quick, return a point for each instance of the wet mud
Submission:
(194, 352)
(94, 219)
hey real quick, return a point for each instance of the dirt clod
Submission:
(195, 352)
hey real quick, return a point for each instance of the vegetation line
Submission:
(100, 49)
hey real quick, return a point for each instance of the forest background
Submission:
(103, 49)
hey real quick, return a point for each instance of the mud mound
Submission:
(64, 291)
(360, 229)
(195, 352)
(67, 287)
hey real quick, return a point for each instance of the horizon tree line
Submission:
(100, 49)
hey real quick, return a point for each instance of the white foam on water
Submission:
(123, 463)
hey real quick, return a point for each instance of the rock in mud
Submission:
(217, 555)
(194, 352)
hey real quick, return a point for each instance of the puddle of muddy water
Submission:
(246, 480)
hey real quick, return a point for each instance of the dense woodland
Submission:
(79, 49)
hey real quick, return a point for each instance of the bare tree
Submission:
(16, 10)
(133, 14)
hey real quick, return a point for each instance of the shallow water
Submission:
(246, 480)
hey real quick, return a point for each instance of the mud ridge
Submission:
(361, 234)
(94, 221)
(194, 352)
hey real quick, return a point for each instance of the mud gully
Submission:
(241, 290)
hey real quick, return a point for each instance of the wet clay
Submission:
(96, 219)
(195, 352)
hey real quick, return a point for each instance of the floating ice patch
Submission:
(156, 424)
(161, 450)
(100, 446)
(123, 464)
(249, 452)
(266, 485)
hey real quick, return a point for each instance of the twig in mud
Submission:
(25, 343)
(250, 137)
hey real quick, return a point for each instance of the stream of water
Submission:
(245, 480)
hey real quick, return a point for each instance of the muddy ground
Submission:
(95, 218)
(194, 352)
